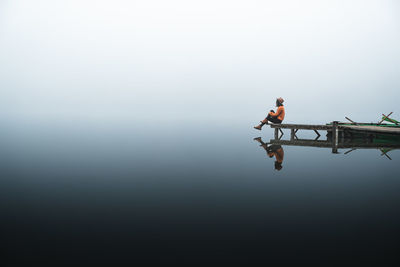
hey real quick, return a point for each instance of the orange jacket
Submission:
(280, 113)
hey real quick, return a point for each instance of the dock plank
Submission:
(341, 127)
(302, 126)
(371, 129)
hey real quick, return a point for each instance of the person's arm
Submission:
(277, 113)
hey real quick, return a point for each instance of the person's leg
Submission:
(258, 139)
(264, 121)
(274, 119)
(268, 118)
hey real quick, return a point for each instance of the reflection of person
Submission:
(274, 117)
(273, 150)
(277, 151)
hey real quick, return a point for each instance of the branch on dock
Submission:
(384, 117)
(353, 122)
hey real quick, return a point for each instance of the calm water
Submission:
(191, 193)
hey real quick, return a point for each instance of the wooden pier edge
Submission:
(301, 126)
(337, 127)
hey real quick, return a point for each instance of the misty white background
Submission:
(219, 60)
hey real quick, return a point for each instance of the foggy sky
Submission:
(201, 60)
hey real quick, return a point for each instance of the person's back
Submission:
(280, 113)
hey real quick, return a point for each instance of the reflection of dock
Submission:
(342, 144)
(383, 143)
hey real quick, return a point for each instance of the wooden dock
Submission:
(337, 131)
(339, 126)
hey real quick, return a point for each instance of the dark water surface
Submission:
(190, 193)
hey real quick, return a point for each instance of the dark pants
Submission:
(273, 119)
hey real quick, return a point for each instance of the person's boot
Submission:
(264, 121)
(258, 127)
(258, 139)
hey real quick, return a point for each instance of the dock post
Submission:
(292, 134)
(335, 136)
(276, 133)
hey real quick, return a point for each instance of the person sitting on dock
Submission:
(274, 117)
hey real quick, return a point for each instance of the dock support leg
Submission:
(335, 136)
(281, 133)
(292, 133)
(318, 135)
(276, 133)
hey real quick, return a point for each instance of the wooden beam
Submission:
(391, 120)
(292, 134)
(384, 153)
(302, 126)
(295, 136)
(281, 134)
(348, 151)
(335, 137)
(351, 121)
(384, 117)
